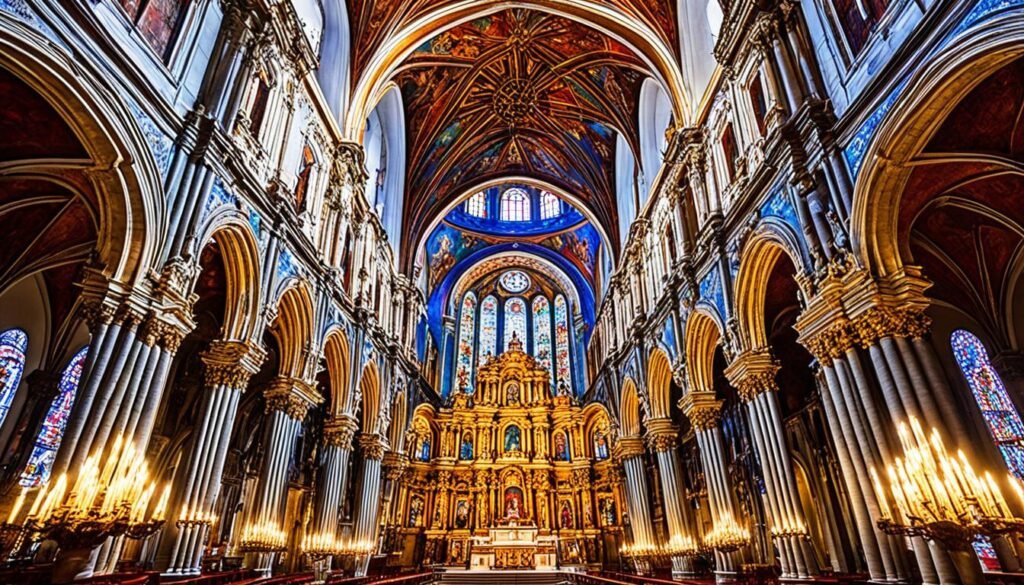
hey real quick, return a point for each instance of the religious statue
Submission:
(563, 390)
(513, 504)
(512, 438)
(483, 520)
(566, 515)
(542, 511)
(462, 514)
(415, 511)
(512, 393)
(561, 449)
(466, 449)
(600, 445)
(608, 511)
(425, 449)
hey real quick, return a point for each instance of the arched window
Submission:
(515, 321)
(157, 21)
(476, 205)
(302, 182)
(550, 205)
(37, 471)
(13, 345)
(1004, 423)
(515, 205)
(488, 329)
(542, 334)
(563, 364)
(464, 352)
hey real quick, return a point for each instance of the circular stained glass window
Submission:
(514, 281)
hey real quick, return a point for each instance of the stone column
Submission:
(630, 451)
(753, 375)
(337, 448)
(369, 497)
(228, 367)
(395, 464)
(287, 400)
(662, 439)
(705, 413)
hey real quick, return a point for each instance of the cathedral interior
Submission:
(602, 292)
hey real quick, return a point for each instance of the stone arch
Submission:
(637, 35)
(241, 257)
(396, 431)
(655, 113)
(125, 177)
(759, 257)
(659, 384)
(890, 157)
(629, 411)
(293, 330)
(336, 353)
(595, 418)
(369, 389)
(703, 335)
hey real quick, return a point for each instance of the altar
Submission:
(513, 547)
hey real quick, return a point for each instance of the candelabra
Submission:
(682, 546)
(789, 529)
(263, 537)
(939, 497)
(727, 536)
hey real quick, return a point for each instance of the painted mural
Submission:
(580, 246)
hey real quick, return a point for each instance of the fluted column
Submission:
(753, 375)
(705, 413)
(287, 400)
(630, 451)
(663, 438)
(369, 497)
(228, 367)
(395, 464)
(338, 436)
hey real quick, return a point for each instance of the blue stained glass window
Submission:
(37, 471)
(476, 205)
(515, 321)
(515, 205)
(464, 350)
(488, 329)
(563, 365)
(542, 334)
(1004, 423)
(13, 345)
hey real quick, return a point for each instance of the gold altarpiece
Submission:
(508, 456)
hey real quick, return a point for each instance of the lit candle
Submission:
(16, 508)
(161, 506)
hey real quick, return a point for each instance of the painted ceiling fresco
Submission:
(372, 21)
(517, 93)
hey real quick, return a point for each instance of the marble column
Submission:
(369, 496)
(337, 449)
(753, 374)
(228, 365)
(630, 451)
(395, 464)
(662, 439)
(287, 400)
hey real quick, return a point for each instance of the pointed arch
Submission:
(369, 389)
(629, 410)
(240, 254)
(336, 354)
(293, 330)
(659, 384)
(702, 338)
(396, 432)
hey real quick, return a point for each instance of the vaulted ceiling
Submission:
(519, 93)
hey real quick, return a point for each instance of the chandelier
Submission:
(727, 536)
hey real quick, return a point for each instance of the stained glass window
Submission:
(13, 344)
(542, 334)
(488, 329)
(477, 205)
(37, 471)
(514, 281)
(600, 445)
(464, 351)
(1004, 423)
(563, 367)
(515, 205)
(550, 205)
(515, 320)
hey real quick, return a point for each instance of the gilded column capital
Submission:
(291, 396)
(832, 342)
(887, 321)
(703, 410)
(752, 373)
(628, 447)
(373, 446)
(394, 464)
(231, 363)
(341, 431)
(96, 313)
(662, 435)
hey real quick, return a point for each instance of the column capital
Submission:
(395, 464)
(628, 447)
(662, 435)
(752, 373)
(292, 396)
(340, 431)
(231, 363)
(888, 321)
(373, 446)
(703, 410)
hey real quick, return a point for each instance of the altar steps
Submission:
(503, 577)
